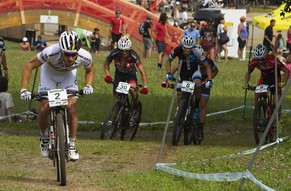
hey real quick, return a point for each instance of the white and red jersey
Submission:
(53, 58)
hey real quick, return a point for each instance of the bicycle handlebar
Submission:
(42, 97)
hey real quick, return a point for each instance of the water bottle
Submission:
(155, 49)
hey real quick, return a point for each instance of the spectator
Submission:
(184, 18)
(268, 36)
(221, 29)
(148, 37)
(3, 63)
(289, 39)
(192, 31)
(95, 41)
(288, 64)
(208, 37)
(116, 29)
(6, 101)
(160, 37)
(242, 37)
(279, 42)
(39, 44)
(25, 46)
(176, 14)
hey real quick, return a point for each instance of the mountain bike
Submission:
(263, 111)
(58, 130)
(121, 118)
(183, 121)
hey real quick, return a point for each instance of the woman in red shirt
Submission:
(160, 37)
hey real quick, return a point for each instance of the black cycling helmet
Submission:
(260, 52)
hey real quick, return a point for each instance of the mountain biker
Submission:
(59, 63)
(190, 56)
(126, 62)
(266, 64)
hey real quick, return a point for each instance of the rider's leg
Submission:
(134, 96)
(72, 118)
(43, 116)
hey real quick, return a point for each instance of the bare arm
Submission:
(9, 113)
(143, 75)
(90, 74)
(106, 67)
(27, 70)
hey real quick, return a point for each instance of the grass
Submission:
(122, 165)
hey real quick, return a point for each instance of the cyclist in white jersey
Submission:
(59, 63)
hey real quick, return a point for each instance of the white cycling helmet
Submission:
(124, 43)
(188, 41)
(198, 51)
(260, 51)
(70, 42)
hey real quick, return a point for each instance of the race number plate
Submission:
(57, 97)
(188, 86)
(262, 88)
(123, 88)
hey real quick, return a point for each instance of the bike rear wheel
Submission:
(110, 124)
(179, 123)
(129, 131)
(260, 120)
(61, 150)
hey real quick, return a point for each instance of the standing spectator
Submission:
(148, 37)
(3, 63)
(221, 29)
(6, 101)
(184, 18)
(95, 41)
(39, 44)
(268, 36)
(289, 39)
(116, 28)
(242, 37)
(160, 37)
(209, 39)
(192, 31)
(279, 42)
(288, 64)
(25, 45)
(176, 14)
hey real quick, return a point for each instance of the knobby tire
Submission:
(260, 120)
(61, 152)
(135, 125)
(109, 127)
(179, 122)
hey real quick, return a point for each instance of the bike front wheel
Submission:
(110, 124)
(260, 120)
(128, 132)
(61, 150)
(179, 123)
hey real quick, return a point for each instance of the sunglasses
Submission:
(193, 26)
(125, 51)
(70, 54)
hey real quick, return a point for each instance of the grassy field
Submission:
(122, 165)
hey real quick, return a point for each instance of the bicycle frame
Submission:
(58, 130)
(120, 114)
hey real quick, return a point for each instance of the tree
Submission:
(287, 8)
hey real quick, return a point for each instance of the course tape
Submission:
(260, 184)
(153, 123)
(228, 176)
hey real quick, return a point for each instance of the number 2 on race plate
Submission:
(262, 88)
(188, 86)
(57, 97)
(123, 88)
